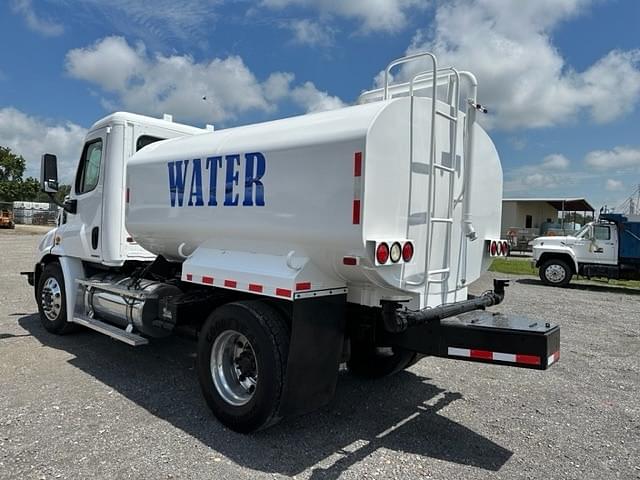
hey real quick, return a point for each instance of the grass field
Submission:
(523, 266)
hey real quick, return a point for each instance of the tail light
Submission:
(505, 248)
(494, 248)
(382, 253)
(407, 251)
(396, 252)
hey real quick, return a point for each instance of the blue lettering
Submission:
(196, 180)
(177, 178)
(213, 163)
(231, 200)
(251, 179)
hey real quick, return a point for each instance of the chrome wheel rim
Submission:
(51, 299)
(234, 368)
(555, 273)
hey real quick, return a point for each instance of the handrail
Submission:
(377, 94)
(407, 59)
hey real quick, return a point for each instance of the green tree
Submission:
(11, 165)
(13, 187)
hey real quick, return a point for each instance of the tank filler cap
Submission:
(291, 261)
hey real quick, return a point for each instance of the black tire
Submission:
(53, 319)
(369, 361)
(268, 334)
(555, 272)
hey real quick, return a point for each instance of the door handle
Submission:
(95, 236)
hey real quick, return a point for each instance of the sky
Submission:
(561, 78)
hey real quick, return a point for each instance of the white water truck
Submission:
(293, 246)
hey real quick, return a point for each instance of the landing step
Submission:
(111, 330)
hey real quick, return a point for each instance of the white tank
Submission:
(329, 186)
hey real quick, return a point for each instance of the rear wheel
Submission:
(555, 272)
(369, 361)
(52, 300)
(242, 359)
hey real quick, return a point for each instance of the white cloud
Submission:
(313, 100)
(31, 137)
(374, 15)
(618, 158)
(555, 161)
(613, 185)
(176, 84)
(109, 63)
(307, 32)
(35, 22)
(522, 76)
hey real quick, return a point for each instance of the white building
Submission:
(527, 218)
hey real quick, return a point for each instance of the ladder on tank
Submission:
(432, 79)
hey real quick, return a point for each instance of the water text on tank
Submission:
(189, 174)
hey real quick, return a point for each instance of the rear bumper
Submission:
(487, 337)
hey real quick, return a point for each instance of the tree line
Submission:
(13, 187)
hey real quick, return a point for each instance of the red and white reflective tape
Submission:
(249, 287)
(553, 358)
(496, 356)
(357, 186)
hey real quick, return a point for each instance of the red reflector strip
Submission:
(356, 212)
(350, 261)
(207, 280)
(230, 283)
(283, 292)
(483, 354)
(528, 359)
(189, 277)
(357, 164)
(553, 358)
(254, 287)
(494, 356)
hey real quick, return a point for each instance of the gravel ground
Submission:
(86, 406)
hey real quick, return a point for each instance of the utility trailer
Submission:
(608, 247)
(292, 246)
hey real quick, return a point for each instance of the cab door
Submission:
(81, 235)
(599, 245)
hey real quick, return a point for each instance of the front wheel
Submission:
(555, 272)
(52, 300)
(242, 359)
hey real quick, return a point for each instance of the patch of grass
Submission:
(516, 266)
(522, 266)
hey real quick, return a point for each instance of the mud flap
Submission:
(317, 336)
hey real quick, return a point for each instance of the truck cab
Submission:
(92, 228)
(594, 251)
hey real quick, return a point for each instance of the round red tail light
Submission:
(494, 248)
(382, 253)
(505, 248)
(407, 251)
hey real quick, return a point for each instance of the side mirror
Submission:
(49, 173)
